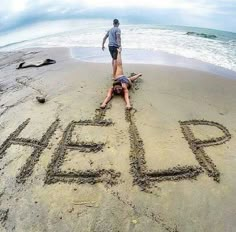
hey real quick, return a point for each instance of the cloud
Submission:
(16, 13)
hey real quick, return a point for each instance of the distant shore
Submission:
(173, 45)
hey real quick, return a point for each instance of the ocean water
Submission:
(204, 45)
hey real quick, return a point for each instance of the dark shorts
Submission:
(113, 52)
(123, 79)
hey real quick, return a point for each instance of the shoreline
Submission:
(142, 56)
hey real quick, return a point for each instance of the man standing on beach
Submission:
(114, 35)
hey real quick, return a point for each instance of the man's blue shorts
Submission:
(113, 51)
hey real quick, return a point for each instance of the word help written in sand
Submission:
(142, 177)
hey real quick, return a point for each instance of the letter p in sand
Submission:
(197, 145)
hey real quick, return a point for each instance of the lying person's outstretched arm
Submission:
(135, 77)
(107, 99)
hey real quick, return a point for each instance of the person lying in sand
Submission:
(121, 84)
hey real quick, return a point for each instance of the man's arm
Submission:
(104, 40)
(118, 39)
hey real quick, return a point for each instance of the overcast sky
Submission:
(217, 14)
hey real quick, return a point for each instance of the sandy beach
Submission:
(66, 165)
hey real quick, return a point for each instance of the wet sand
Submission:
(66, 165)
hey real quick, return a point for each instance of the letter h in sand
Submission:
(37, 145)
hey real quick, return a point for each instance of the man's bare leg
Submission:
(114, 66)
(107, 99)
